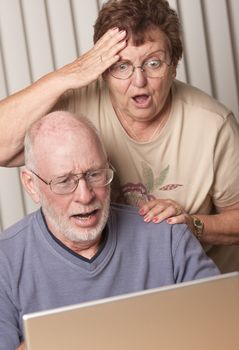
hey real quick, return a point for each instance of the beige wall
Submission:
(38, 36)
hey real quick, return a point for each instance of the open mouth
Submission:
(141, 99)
(85, 216)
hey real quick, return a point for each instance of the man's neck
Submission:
(86, 249)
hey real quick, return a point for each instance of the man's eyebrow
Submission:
(92, 168)
(62, 175)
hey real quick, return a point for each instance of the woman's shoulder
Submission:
(198, 99)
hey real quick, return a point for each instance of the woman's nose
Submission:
(139, 77)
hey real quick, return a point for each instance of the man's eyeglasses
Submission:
(68, 184)
(153, 68)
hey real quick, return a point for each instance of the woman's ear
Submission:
(104, 75)
(29, 184)
(174, 71)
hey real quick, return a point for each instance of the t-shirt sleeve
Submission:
(190, 260)
(225, 189)
(9, 329)
(84, 101)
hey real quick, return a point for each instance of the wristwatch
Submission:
(198, 227)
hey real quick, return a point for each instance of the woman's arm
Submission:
(20, 110)
(221, 228)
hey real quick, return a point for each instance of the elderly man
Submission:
(77, 248)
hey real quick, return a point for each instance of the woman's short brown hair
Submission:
(138, 17)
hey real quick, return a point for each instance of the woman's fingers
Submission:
(159, 210)
(109, 46)
(94, 62)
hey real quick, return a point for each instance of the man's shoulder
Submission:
(130, 217)
(124, 209)
(126, 213)
(17, 230)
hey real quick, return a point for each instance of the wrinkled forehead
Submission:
(158, 46)
(154, 38)
(152, 34)
(69, 152)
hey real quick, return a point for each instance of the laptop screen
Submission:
(202, 314)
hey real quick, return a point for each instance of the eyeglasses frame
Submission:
(140, 67)
(83, 176)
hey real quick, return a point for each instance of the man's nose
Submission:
(83, 192)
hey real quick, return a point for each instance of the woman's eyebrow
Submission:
(144, 57)
(154, 52)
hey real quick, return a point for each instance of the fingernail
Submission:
(155, 220)
(147, 219)
(169, 221)
(115, 29)
(141, 211)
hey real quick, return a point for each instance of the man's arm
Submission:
(20, 110)
(190, 259)
(21, 347)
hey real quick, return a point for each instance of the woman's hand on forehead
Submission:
(88, 67)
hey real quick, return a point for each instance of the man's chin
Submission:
(86, 234)
(78, 227)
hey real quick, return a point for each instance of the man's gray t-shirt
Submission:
(38, 273)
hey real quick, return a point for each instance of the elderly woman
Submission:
(174, 148)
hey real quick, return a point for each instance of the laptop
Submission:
(202, 314)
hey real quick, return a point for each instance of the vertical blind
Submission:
(38, 36)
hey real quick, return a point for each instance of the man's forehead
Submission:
(59, 158)
(65, 140)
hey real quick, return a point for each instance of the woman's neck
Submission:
(144, 130)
